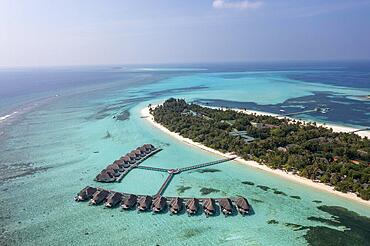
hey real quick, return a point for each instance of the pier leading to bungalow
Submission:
(160, 204)
(116, 171)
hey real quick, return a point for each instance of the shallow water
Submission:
(76, 136)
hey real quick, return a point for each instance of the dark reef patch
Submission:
(279, 192)
(256, 200)
(295, 197)
(263, 187)
(208, 170)
(17, 170)
(124, 115)
(353, 229)
(247, 183)
(296, 227)
(181, 189)
(207, 191)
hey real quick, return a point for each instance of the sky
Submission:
(97, 32)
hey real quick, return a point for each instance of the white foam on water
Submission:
(3, 118)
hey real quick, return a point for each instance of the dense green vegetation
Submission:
(338, 159)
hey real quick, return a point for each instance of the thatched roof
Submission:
(113, 199)
(129, 201)
(85, 193)
(242, 203)
(226, 204)
(209, 204)
(99, 196)
(192, 204)
(159, 203)
(105, 176)
(145, 201)
(176, 203)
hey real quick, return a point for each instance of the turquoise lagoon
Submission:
(59, 147)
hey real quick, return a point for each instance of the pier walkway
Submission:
(165, 184)
(158, 169)
(201, 165)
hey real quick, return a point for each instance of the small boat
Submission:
(192, 206)
(226, 206)
(85, 194)
(144, 203)
(113, 199)
(243, 205)
(209, 206)
(176, 205)
(129, 201)
(159, 204)
(99, 197)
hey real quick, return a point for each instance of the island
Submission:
(337, 159)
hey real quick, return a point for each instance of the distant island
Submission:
(340, 160)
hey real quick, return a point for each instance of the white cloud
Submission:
(230, 4)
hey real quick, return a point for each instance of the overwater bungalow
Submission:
(119, 162)
(113, 199)
(209, 206)
(128, 159)
(144, 203)
(140, 153)
(149, 147)
(99, 197)
(243, 205)
(129, 201)
(133, 156)
(85, 194)
(192, 206)
(159, 204)
(105, 176)
(176, 205)
(126, 165)
(115, 167)
(112, 170)
(144, 150)
(226, 206)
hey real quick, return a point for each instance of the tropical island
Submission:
(337, 159)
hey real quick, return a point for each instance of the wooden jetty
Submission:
(158, 203)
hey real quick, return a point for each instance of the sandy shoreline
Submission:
(147, 116)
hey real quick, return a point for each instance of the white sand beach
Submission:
(290, 176)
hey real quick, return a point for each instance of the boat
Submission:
(129, 201)
(209, 206)
(113, 199)
(192, 206)
(176, 205)
(85, 194)
(159, 204)
(226, 206)
(243, 205)
(144, 203)
(99, 197)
